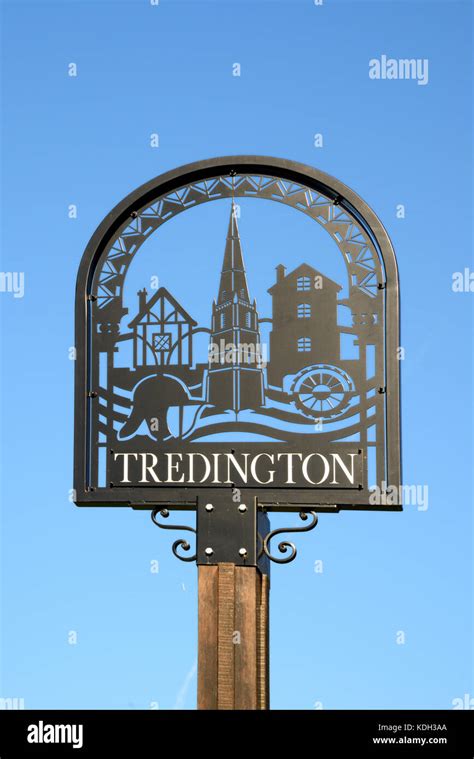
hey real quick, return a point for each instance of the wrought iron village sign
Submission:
(227, 376)
(270, 402)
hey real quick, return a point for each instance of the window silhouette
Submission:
(222, 319)
(303, 284)
(304, 310)
(162, 342)
(304, 344)
(248, 319)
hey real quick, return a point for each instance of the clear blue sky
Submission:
(167, 69)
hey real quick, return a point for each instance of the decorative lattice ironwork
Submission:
(358, 250)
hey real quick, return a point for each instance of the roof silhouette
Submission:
(162, 292)
(303, 268)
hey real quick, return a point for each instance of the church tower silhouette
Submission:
(235, 378)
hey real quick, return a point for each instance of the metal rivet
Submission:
(242, 507)
(208, 551)
(209, 507)
(243, 552)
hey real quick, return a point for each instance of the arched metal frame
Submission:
(99, 288)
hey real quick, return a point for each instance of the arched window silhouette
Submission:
(304, 310)
(303, 284)
(304, 344)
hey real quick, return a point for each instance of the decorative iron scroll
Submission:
(286, 545)
(162, 416)
(180, 543)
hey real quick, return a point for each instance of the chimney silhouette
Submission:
(142, 299)
(280, 270)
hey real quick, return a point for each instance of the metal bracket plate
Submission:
(229, 531)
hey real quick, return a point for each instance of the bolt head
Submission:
(208, 551)
(242, 508)
(209, 507)
(243, 552)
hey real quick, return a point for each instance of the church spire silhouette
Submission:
(235, 377)
(233, 278)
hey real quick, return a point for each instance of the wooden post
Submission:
(233, 651)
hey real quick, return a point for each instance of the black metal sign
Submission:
(267, 403)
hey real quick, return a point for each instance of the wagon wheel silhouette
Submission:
(322, 390)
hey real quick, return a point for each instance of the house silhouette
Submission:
(162, 331)
(304, 321)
